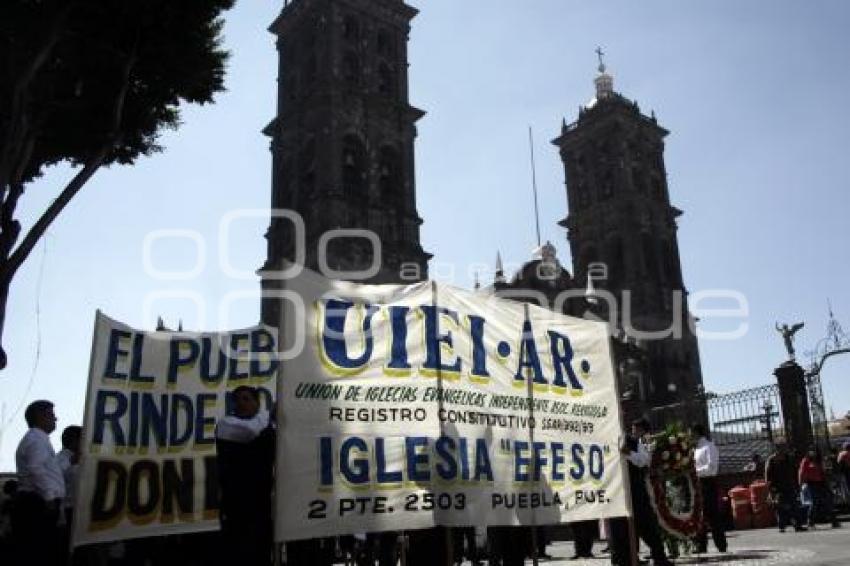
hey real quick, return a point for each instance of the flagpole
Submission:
(534, 185)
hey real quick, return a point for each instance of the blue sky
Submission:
(754, 94)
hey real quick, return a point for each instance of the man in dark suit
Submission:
(636, 451)
(245, 442)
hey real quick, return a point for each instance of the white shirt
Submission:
(706, 458)
(242, 430)
(641, 458)
(69, 475)
(38, 470)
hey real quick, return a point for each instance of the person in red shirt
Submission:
(816, 494)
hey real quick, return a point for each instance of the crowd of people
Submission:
(40, 502)
(801, 493)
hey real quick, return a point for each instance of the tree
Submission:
(93, 83)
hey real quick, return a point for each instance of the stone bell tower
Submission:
(622, 229)
(343, 139)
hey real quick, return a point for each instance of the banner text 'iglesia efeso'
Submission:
(422, 405)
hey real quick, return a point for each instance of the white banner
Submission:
(148, 466)
(422, 405)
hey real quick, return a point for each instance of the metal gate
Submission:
(744, 423)
(747, 415)
(817, 408)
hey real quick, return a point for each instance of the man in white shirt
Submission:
(41, 489)
(707, 463)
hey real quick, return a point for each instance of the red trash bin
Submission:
(762, 510)
(742, 511)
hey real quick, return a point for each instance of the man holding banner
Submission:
(636, 451)
(245, 444)
(148, 466)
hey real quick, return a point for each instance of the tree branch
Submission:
(10, 228)
(16, 129)
(17, 258)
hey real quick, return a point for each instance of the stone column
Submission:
(795, 406)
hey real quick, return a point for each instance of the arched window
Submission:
(671, 264)
(616, 262)
(385, 44)
(581, 163)
(351, 28)
(284, 197)
(354, 169)
(607, 184)
(389, 177)
(291, 85)
(589, 256)
(658, 187)
(386, 80)
(307, 170)
(638, 180)
(650, 257)
(307, 54)
(351, 68)
(391, 231)
(584, 198)
(309, 69)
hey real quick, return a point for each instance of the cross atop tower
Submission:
(600, 54)
(604, 82)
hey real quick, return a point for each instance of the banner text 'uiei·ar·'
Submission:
(422, 405)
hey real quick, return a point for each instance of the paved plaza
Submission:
(822, 547)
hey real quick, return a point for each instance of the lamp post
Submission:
(630, 364)
(767, 420)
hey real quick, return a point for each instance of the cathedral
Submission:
(342, 148)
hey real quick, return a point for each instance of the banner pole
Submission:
(403, 548)
(449, 542)
(530, 394)
(624, 467)
(281, 323)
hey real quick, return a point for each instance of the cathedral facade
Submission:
(342, 142)
(622, 231)
(343, 158)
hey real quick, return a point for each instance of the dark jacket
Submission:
(781, 475)
(245, 477)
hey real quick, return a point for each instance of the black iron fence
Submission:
(817, 408)
(747, 415)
